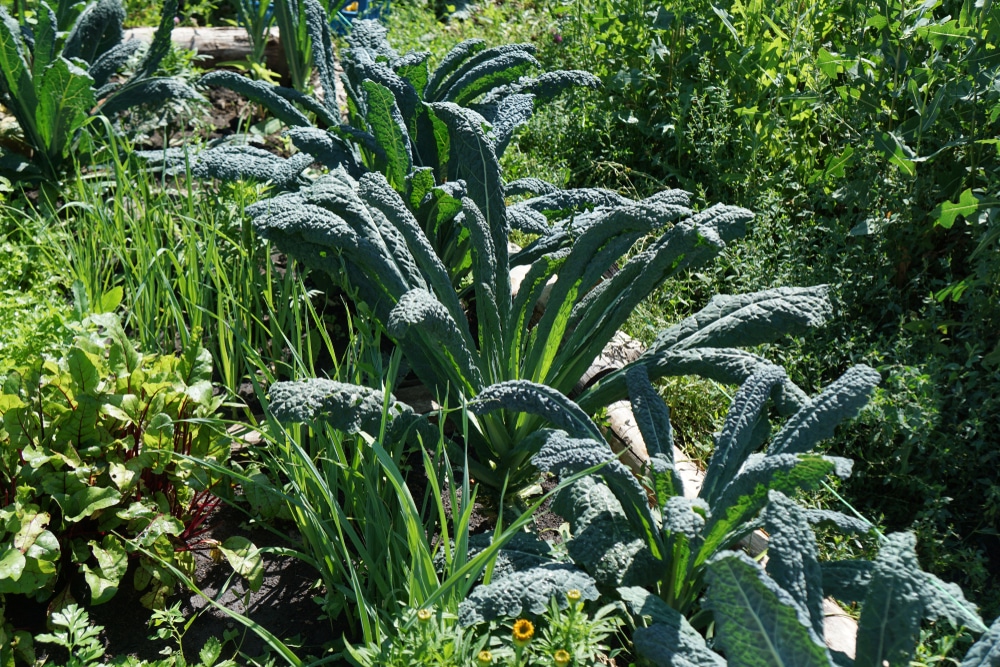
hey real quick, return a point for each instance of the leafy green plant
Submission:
(394, 124)
(364, 236)
(89, 472)
(350, 483)
(136, 237)
(774, 612)
(620, 540)
(54, 84)
(73, 631)
(858, 132)
(423, 637)
(670, 555)
(257, 17)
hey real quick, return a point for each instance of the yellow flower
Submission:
(424, 615)
(523, 632)
(353, 7)
(562, 658)
(484, 658)
(573, 595)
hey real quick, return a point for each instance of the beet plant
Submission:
(90, 475)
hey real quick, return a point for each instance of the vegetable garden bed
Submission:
(329, 245)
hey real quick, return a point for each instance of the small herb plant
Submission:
(55, 83)
(73, 631)
(89, 476)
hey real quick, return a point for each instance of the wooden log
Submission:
(220, 45)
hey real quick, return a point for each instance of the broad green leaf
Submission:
(459, 54)
(195, 363)
(421, 316)
(386, 123)
(159, 432)
(847, 580)
(33, 524)
(842, 399)
(527, 592)
(160, 526)
(245, 559)
(85, 502)
(543, 401)
(260, 92)
(831, 64)
(651, 414)
(415, 70)
(485, 280)
(45, 40)
(122, 477)
(83, 369)
(374, 189)
(10, 402)
(34, 570)
(986, 651)
(603, 540)
(942, 33)
(17, 80)
(745, 429)
(506, 68)
(669, 641)
(899, 154)
(836, 167)
(65, 100)
(200, 392)
(889, 625)
(944, 600)
(112, 562)
(756, 622)
(750, 319)
(473, 160)
(264, 499)
(746, 495)
(11, 565)
(946, 212)
(792, 557)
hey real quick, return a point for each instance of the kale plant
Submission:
(672, 555)
(622, 541)
(89, 474)
(772, 614)
(54, 84)
(460, 338)
(395, 120)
